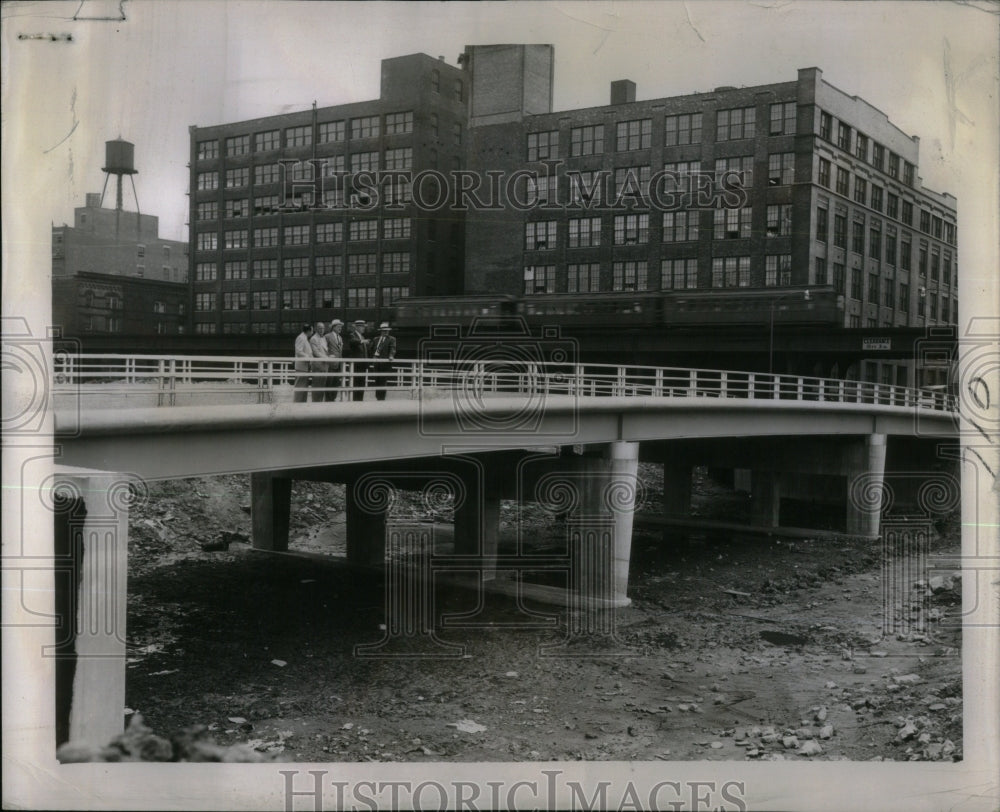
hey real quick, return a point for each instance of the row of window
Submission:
(396, 228)
(300, 299)
(679, 226)
(872, 195)
(886, 248)
(302, 136)
(870, 151)
(328, 265)
(685, 128)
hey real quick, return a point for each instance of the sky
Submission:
(171, 64)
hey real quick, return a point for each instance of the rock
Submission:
(716, 745)
(937, 706)
(467, 726)
(878, 653)
(948, 747)
(246, 508)
(804, 733)
(907, 679)
(753, 753)
(924, 738)
(859, 669)
(77, 753)
(940, 583)
(934, 751)
(788, 742)
(830, 684)
(809, 748)
(821, 714)
(907, 732)
(826, 732)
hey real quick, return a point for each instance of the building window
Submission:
(822, 224)
(905, 254)
(331, 132)
(204, 328)
(779, 220)
(329, 232)
(362, 230)
(734, 124)
(329, 265)
(781, 169)
(856, 283)
(204, 301)
(631, 229)
(935, 264)
(292, 267)
(542, 189)
(844, 137)
(140, 271)
(298, 136)
(396, 228)
(265, 269)
(632, 135)
(843, 181)
(907, 217)
(585, 187)
(207, 150)
(364, 162)
(456, 132)
(908, 173)
(824, 173)
(140, 250)
(892, 205)
(893, 165)
(783, 118)
(949, 233)
(739, 165)
(860, 190)
(295, 299)
(731, 224)
(925, 221)
(890, 249)
(459, 89)
(904, 297)
(585, 232)
(632, 181)
(362, 297)
(235, 300)
(267, 141)
(875, 243)
(777, 270)
(861, 147)
(399, 123)
(266, 173)
(238, 145)
(539, 279)
(820, 270)
(731, 272)
(838, 277)
(876, 199)
(889, 294)
(858, 237)
(873, 286)
(391, 295)
(326, 298)
(362, 264)
(205, 272)
(583, 278)
(825, 125)
(629, 275)
(584, 140)
(296, 235)
(265, 237)
(878, 156)
(936, 224)
(683, 129)
(401, 158)
(543, 145)
(946, 269)
(540, 236)
(365, 127)
(679, 274)
(207, 241)
(207, 181)
(680, 226)
(265, 300)
(207, 211)
(396, 262)
(235, 270)
(840, 231)
(434, 124)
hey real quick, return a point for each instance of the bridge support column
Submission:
(365, 514)
(677, 486)
(866, 472)
(477, 520)
(765, 489)
(270, 511)
(90, 551)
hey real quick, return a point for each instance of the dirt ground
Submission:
(734, 647)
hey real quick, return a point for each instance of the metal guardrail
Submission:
(177, 379)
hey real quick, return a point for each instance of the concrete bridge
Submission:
(566, 436)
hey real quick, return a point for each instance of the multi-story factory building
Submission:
(299, 217)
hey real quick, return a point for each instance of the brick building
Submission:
(777, 187)
(99, 304)
(278, 237)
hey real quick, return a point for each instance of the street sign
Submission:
(876, 344)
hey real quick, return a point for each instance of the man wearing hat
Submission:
(334, 349)
(383, 351)
(303, 351)
(356, 350)
(320, 367)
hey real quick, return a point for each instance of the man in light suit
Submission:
(320, 367)
(334, 349)
(383, 352)
(303, 352)
(356, 350)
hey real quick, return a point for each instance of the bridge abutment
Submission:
(865, 463)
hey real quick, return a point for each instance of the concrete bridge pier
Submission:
(477, 518)
(90, 569)
(865, 464)
(765, 506)
(270, 510)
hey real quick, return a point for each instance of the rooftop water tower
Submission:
(119, 159)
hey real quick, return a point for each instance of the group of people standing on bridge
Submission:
(318, 372)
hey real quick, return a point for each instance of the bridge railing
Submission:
(145, 380)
